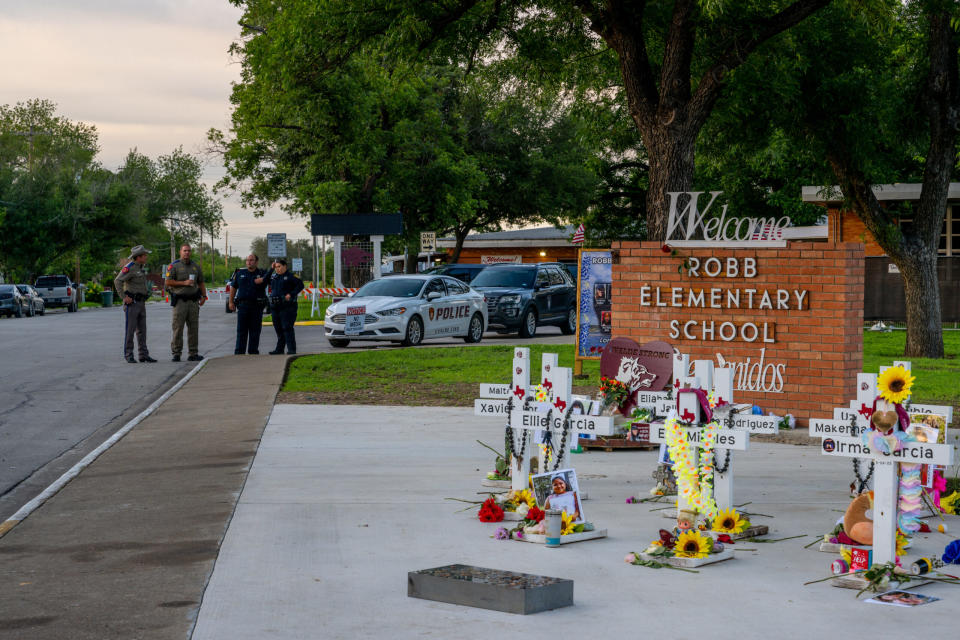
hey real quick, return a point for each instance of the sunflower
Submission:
(524, 497)
(729, 521)
(894, 384)
(692, 545)
(566, 523)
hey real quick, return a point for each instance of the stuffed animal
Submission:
(856, 524)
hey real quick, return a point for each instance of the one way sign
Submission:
(428, 241)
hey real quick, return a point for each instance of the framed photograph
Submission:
(931, 424)
(899, 598)
(664, 457)
(559, 490)
(639, 432)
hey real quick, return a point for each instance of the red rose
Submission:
(535, 514)
(490, 511)
(724, 538)
(666, 248)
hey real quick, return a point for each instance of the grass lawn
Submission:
(938, 381)
(450, 375)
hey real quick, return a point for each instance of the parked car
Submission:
(37, 306)
(465, 272)
(58, 291)
(522, 297)
(407, 309)
(12, 302)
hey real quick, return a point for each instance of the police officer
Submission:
(248, 294)
(131, 283)
(284, 289)
(187, 294)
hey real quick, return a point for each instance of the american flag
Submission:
(578, 236)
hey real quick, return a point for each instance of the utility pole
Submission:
(31, 134)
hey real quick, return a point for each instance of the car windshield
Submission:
(505, 277)
(6, 288)
(23, 288)
(393, 287)
(52, 281)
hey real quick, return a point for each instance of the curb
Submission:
(75, 470)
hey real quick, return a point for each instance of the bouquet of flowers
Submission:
(490, 511)
(613, 391)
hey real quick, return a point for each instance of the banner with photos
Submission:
(594, 311)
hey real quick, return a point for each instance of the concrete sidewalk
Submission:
(341, 502)
(126, 548)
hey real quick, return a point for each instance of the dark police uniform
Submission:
(285, 311)
(249, 298)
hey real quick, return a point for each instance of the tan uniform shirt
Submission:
(131, 279)
(180, 270)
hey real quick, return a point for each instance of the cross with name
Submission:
(559, 416)
(688, 409)
(849, 443)
(516, 402)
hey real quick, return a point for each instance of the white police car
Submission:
(407, 309)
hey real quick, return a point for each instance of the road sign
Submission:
(428, 241)
(276, 245)
(298, 264)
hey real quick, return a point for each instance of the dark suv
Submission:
(525, 296)
(464, 272)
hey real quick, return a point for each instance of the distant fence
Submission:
(884, 298)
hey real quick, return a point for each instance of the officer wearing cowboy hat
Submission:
(131, 284)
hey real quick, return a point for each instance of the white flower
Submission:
(522, 510)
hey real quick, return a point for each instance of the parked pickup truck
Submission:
(57, 291)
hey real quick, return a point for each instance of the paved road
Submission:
(65, 388)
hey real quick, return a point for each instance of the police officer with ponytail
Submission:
(284, 289)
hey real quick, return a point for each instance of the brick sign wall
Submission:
(788, 320)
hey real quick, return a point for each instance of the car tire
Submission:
(475, 330)
(528, 326)
(414, 335)
(569, 327)
(339, 343)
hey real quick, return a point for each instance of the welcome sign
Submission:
(788, 319)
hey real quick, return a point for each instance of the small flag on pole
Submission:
(578, 236)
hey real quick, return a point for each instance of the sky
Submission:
(150, 74)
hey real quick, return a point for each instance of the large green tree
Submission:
(882, 108)
(673, 57)
(452, 149)
(58, 200)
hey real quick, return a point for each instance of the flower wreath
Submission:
(694, 482)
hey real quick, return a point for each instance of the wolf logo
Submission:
(635, 375)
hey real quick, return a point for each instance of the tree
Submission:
(181, 199)
(882, 108)
(453, 152)
(673, 57)
(58, 200)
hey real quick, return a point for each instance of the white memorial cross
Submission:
(534, 417)
(494, 401)
(689, 411)
(886, 477)
(886, 482)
